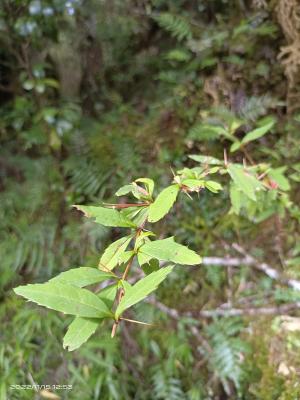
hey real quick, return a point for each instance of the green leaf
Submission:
(205, 132)
(138, 192)
(65, 298)
(142, 289)
(148, 183)
(125, 285)
(247, 183)
(82, 276)
(106, 216)
(142, 238)
(163, 203)
(141, 216)
(178, 55)
(133, 213)
(236, 198)
(124, 190)
(169, 250)
(143, 258)
(213, 186)
(257, 133)
(79, 331)
(124, 257)
(235, 146)
(112, 254)
(213, 170)
(206, 160)
(277, 174)
(193, 184)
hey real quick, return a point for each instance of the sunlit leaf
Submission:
(193, 184)
(112, 254)
(277, 174)
(65, 298)
(247, 183)
(206, 159)
(258, 133)
(106, 216)
(148, 183)
(169, 250)
(124, 190)
(235, 146)
(79, 331)
(236, 198)
(82, 276)
(213, 186)
(163, 203)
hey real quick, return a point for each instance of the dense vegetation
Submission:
(96, 94)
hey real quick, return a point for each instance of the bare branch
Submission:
(226, 312)
(267, 269)
(254, 311)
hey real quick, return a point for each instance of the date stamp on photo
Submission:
(41, 387)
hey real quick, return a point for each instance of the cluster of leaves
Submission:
(66, 292)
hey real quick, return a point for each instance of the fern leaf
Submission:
(175, 25)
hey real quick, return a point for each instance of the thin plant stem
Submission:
(120, 293)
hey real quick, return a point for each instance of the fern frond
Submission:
(166, 387)
(34, 248)
(175, 25)
(226, 359)
(255, 107)
(85, 176)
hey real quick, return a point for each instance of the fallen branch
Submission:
(266, 268)
(254, 311)
(249, 260)
(225, 261)
(229, 312)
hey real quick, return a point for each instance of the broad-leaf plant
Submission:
(156, 258)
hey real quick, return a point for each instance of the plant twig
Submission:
(136, 322)
(120, 293)
(127, 269)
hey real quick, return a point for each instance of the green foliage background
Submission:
(95, 94)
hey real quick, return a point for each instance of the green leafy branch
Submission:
(67, 292)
